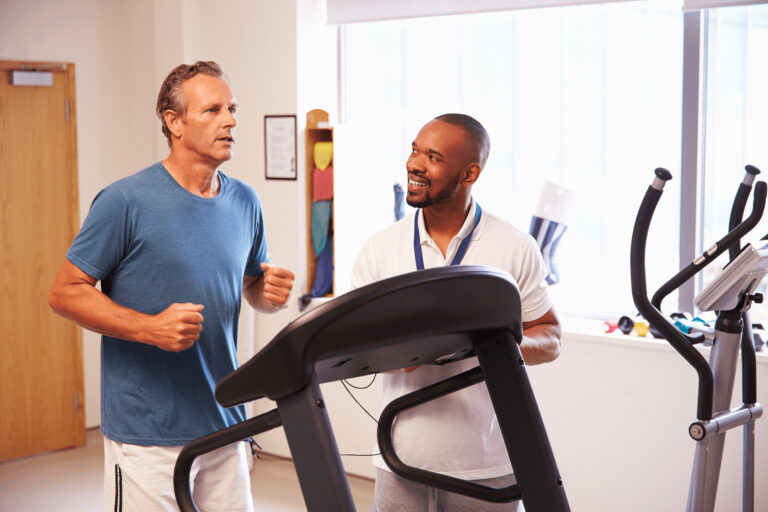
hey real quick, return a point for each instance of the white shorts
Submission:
(140, 478)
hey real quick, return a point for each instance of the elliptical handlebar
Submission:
(748, 360)
(649, 311)
(739, 203)
(708, 256)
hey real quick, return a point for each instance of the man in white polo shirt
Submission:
(456, 435)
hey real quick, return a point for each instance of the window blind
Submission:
(695, 5)
(352, 11)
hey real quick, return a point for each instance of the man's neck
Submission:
(199, 178)
(444, 221)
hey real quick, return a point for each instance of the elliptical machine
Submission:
(731, 294)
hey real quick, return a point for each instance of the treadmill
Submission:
(432, 316)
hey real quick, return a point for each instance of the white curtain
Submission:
(351, 11)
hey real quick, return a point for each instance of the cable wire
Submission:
(345, 384)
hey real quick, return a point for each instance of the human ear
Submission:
(471, 173)
(173, 121)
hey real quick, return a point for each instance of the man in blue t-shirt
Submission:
(176, 247)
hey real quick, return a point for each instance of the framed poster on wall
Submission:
(280, 147)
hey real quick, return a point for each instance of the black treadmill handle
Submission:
(206, 444)
(447, 483)
(640, 296)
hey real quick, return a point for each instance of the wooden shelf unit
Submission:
(318, 130)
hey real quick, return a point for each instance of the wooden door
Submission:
(41, 361)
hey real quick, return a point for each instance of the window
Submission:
(586, 96)
(736, 115)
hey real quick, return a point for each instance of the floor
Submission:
(71, 481)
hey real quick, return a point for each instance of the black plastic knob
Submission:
(663, 174)
(751, 169)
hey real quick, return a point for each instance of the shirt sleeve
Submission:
(534, 291)
(103, 241)
(258, 254)
(364, 271)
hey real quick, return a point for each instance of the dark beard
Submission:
(442, 195)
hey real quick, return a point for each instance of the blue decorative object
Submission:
(399, 202)
(321, 221)
(324, 270)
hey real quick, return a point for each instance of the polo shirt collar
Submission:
(469, 222)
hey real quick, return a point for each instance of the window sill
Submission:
(584, 330)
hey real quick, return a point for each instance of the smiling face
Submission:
(438, 165)
(206, 130)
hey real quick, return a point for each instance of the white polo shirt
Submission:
(456, 435)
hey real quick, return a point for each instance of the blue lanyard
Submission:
(462, 247)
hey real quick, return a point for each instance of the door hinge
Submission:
(77, 401)
(66, 109)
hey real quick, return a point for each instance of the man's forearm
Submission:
(541, 339)
(91, 309)
(541, 344)
(74, 296)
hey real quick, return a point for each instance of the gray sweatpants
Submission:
(395, 494)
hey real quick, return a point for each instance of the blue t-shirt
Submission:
(153, 243)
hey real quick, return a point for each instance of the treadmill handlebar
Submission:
(395, 320)
(432, 479)
(213, 441)
(640, 296)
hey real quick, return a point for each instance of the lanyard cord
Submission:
(462, 247)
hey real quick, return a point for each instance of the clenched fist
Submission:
(177, 327)
(278, 283)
